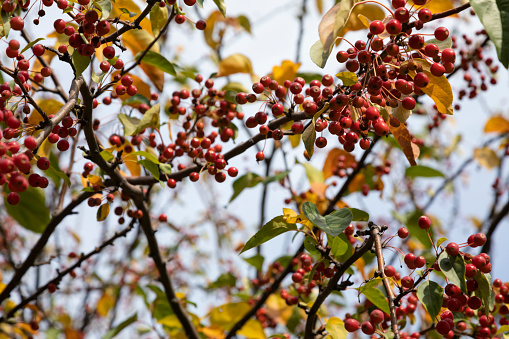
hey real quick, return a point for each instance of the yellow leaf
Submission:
(287, 71)
(486, 157)
(277, 309)
(295, 140)
(333, 157)
(336, 328)
(348, 78)
(45, 149)
(155, 75)
(253, 330)
(360, 264)
(357, 182)
(437, 6)
(497, 124)
(477, 222)
(131, 7)
(439, 89)
(103, 212)
(404, 140)
(105, 303)
(334, 21)
(158, 17)
(171, 321)
(236, 63)
(228, 314)
(399, 112)
(210, 38)
(319, 6)
(49, 106)
(361, 17)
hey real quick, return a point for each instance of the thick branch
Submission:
(38, 247)
(137, 195)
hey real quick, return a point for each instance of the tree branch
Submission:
(375, 233)
(333, 282)
(62, 274)
(38, 247)
(497, 218)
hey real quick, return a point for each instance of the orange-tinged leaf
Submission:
(154, 74)
(103, 212)
(486, 157)
(213, 332)
(360, 264)
(287, 71)
(439, 89)
(497, 124)
(332, 160)
(404, 140)
(71, 334)
(131, 162)
(235, 63)
(357, 182)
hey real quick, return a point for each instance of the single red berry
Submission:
(351, 325)
(424, 222)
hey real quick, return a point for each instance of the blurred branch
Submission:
(62, 274)
(301, 29)
(497, 218)
(38, 247)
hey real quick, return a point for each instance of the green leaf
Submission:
(147, 155)
(31, 211)
(270, 230)
(453, 267)
(32, 43)
(103, 212)
(275, 178)
(133, 126)
(339, 247)
(6, 24)
(106, 155)
(332, 224)
(318, 55)
(256, 261)
(494, 15)
(244, 23)
(336, 328)
(310, 246)
(222, 7)
(308, 77)
(224, 280)
(200, 3)
(126, 11)
(309, 137)
(80, 62)
(338, 221)
(431, 295)
(165, 168)
(57, 172)
(245, 181)
(447, 43)
(359, 215)
(441, 241)
(137, 99)
(311, 212)
(105, 6)
(151, 167)
(422, 171)
(158, 17)
(348, 78)
(485, 287)
(377, 298)
(114, 331)
(157, 60)
(97, 78)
